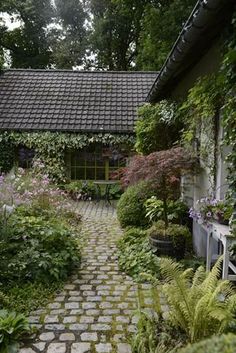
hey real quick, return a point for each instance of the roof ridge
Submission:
(82, 71)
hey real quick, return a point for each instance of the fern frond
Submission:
(199, 276)
(212, 278)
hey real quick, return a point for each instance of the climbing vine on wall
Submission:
(199, 112)
(50, 147)
(212, 95)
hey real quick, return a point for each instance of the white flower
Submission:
(8, 209)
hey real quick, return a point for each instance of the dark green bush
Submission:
(130, 208)
(135, 254)
(216, 344)
(37, 249)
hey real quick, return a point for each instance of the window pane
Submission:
(100, 174)
(90, 173)
(90, 159)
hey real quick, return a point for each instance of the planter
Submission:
(168, 247)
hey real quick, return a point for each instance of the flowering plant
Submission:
(209, 209)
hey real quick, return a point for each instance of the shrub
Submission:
(216, 344)
(199, 303)
(37, 249)
(177, 211)
(13, 327)
(135, 254)
(130, 208)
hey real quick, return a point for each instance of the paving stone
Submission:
(78, 327)
(94, 299)
(40, 346)
(119, 337)
(47, 336)
(105, 319)
(105, 305)
(51, 319)
(93, 312)
(72, 305)
(55, 327)
(76, 312)
(34, 319)
(86, 287)
(59, 299)
(56, 348)
(57, 311)
(103, 348)
(75, 299)
(74, 293)
(89, 336)
(111, 312)
(80, 348)
(69, 319)
(86, 319)
(67, 337)
(123, 348)
(100, 327)
(123, 319)
(89, 305)
(27, 350)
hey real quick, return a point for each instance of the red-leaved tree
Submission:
(163, 168)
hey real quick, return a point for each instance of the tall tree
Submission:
(116, 28)
(69, 36)
(27, 43)
(160, 27)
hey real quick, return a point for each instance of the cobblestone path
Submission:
(95, 312)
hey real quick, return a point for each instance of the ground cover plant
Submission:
(39, 239)
(13, 327)
(135, 254)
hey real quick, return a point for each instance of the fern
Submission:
(200, 304)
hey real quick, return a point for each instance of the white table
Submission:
(221, 234)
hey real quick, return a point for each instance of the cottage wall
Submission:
(201, 185)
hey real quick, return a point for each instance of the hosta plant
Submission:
(200, 304)
(13, 327)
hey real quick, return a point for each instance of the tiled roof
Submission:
(60, 100)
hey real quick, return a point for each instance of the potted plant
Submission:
(168, 241)
(163, 169)
(209, 209)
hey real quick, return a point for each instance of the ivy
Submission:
(157, 128)
(212, 95)
(51, 147)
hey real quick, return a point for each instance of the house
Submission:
(197, 52)
(98, 108)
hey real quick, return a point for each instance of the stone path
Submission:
(95, 312)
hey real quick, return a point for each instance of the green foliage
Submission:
(177, 211)
(229, 112)
(130, 208)
(27, 43)
(157, 127)
(174, 231)
(161, 23)
(116, 26)
(135, 254)
(156, 335)
(37, 250)
(26, 297)
(13, 327)
(199, 303)
(215, 344)
(7, 156)
(50, 147)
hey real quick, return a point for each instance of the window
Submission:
(25, 157)
(95, 162)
